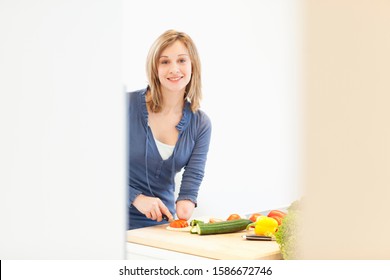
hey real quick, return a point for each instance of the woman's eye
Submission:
(164, 62)
(182, 60)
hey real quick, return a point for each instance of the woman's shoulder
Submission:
(139, 92)
(136, 98)
(202, 115)
(202, 119)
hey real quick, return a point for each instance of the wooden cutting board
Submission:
(229, 246)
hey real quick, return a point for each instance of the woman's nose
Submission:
(174, 68)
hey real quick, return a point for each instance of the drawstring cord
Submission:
(174, 163)
(146, 160)
(173, 168)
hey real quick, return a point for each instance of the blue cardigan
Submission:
(149, 174)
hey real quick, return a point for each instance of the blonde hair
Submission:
(193, 92)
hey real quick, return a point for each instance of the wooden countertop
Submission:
(229, 246)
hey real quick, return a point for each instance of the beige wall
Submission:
(347, 88)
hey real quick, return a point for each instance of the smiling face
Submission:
(174, 68)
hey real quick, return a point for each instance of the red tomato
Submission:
(233, 217)
(276, 213)
(278, 219)
(179, 224)
(254, 216)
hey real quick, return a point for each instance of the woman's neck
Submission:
(172, 102)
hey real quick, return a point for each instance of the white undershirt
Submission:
(164, 149)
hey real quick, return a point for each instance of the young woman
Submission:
(167, 132)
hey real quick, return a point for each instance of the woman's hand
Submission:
(152, 207)
(184, 209)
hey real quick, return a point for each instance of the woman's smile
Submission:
(175, 79)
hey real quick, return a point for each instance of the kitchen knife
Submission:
(167, 219)
(258, 237)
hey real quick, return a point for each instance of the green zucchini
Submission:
(222, 227)
(194, 230)
(195, 222)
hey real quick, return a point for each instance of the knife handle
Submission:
(165, 217)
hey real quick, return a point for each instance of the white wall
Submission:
(62, 164)
(250, 59)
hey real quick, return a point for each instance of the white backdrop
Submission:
(251, 69)
(62, 120)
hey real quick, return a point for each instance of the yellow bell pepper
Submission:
(265, 226)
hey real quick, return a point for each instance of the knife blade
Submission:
(258, 237)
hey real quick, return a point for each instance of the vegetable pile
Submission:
(263, 225)
(277, 224)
